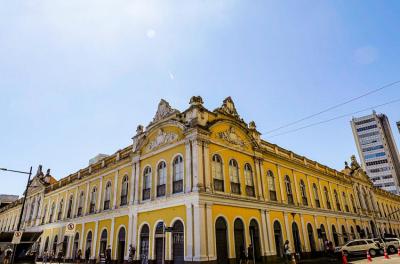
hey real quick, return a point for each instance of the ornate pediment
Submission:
(162, 138)
(163, 110)
(228, 108)
(231, 137)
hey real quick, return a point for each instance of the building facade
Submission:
(210, 181)
(377, 150)
(398, 125)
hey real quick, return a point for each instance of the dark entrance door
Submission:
(221, 241)
(239, 238)
(255, 240)
(159, 243)
(144, 244)
(311, 237)
(121, 245)
(278, 239)
(296, 238)
(178, 242)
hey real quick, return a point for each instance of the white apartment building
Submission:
(377, 150)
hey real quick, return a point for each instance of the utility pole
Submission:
(23, 205)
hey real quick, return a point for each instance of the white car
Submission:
(360, 247)
(392, 244)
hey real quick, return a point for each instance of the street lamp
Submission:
(23, 204)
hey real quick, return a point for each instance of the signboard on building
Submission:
(70, 229)
(17, 237)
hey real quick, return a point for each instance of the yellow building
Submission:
(214, 184)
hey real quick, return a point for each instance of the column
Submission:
(94, 241)
(100, 193)
(210, 233)
(281, 185)
(188, 166)
(199, 232)
(189, 233)
(82, 239)
(137, 181)
(129, 234)
(114, 198)
(85, 206)
(305, 234)
(288, 235)
(258, 181)
(318, 241)
(270, 233)
(132, 185)
(206, 160)
(111, 243)
(264, 232)
(197, 165)
(133, 231)
(310, 193)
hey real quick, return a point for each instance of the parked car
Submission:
(359, 247)
(392, 244)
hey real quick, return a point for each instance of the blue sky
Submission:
(77, 77)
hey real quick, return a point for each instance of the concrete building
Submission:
(6, 199)
(217, 186)
(377, 150)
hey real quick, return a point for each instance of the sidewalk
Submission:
(393, 259)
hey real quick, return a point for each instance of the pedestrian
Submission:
(286, 250)
(8, 255)
(87, 255)
(45, 257)
(250, 255)
(60, 256)
(131, 256)
(108, 255)
(243, 257)
(78, 256)
(51, 257)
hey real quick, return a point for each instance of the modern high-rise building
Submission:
(378, 151)
(398, 125)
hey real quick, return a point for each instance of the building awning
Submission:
(27, 237)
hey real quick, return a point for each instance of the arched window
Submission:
(234, 176)
(303, 192)
(51, 217)
(146, 183)
(248, 175)
(289, 193)
(81, 202)
(88, 248)
(107, 197)
(328, 201)
(60, 209)
(178, 242)
(124, 191)
(93, 199)
(217, 174)
(177, 185)
(46, 244)
(337, 200)
(346, 205)
(69, 211)
(352, 233)
(316, 196)
(38, 205)
(161, 178)
(271, 185)
(144, 243)
(335, 236)
(31, 210)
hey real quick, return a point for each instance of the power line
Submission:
(335, 118)
(333, 107)
(318, 123)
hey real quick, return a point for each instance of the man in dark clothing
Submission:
(108, 255)
(87, 255)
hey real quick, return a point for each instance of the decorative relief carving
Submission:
(161, 139)
(230, 136)
(163, 110)
(228, 108)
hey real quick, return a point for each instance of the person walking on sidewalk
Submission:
(288, 253)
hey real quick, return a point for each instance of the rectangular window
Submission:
(376, 162)
(375, 155)
(366, 128)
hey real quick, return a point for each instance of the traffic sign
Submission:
(70, 229)
(17, 237)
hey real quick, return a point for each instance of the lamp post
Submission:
(23, 204)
